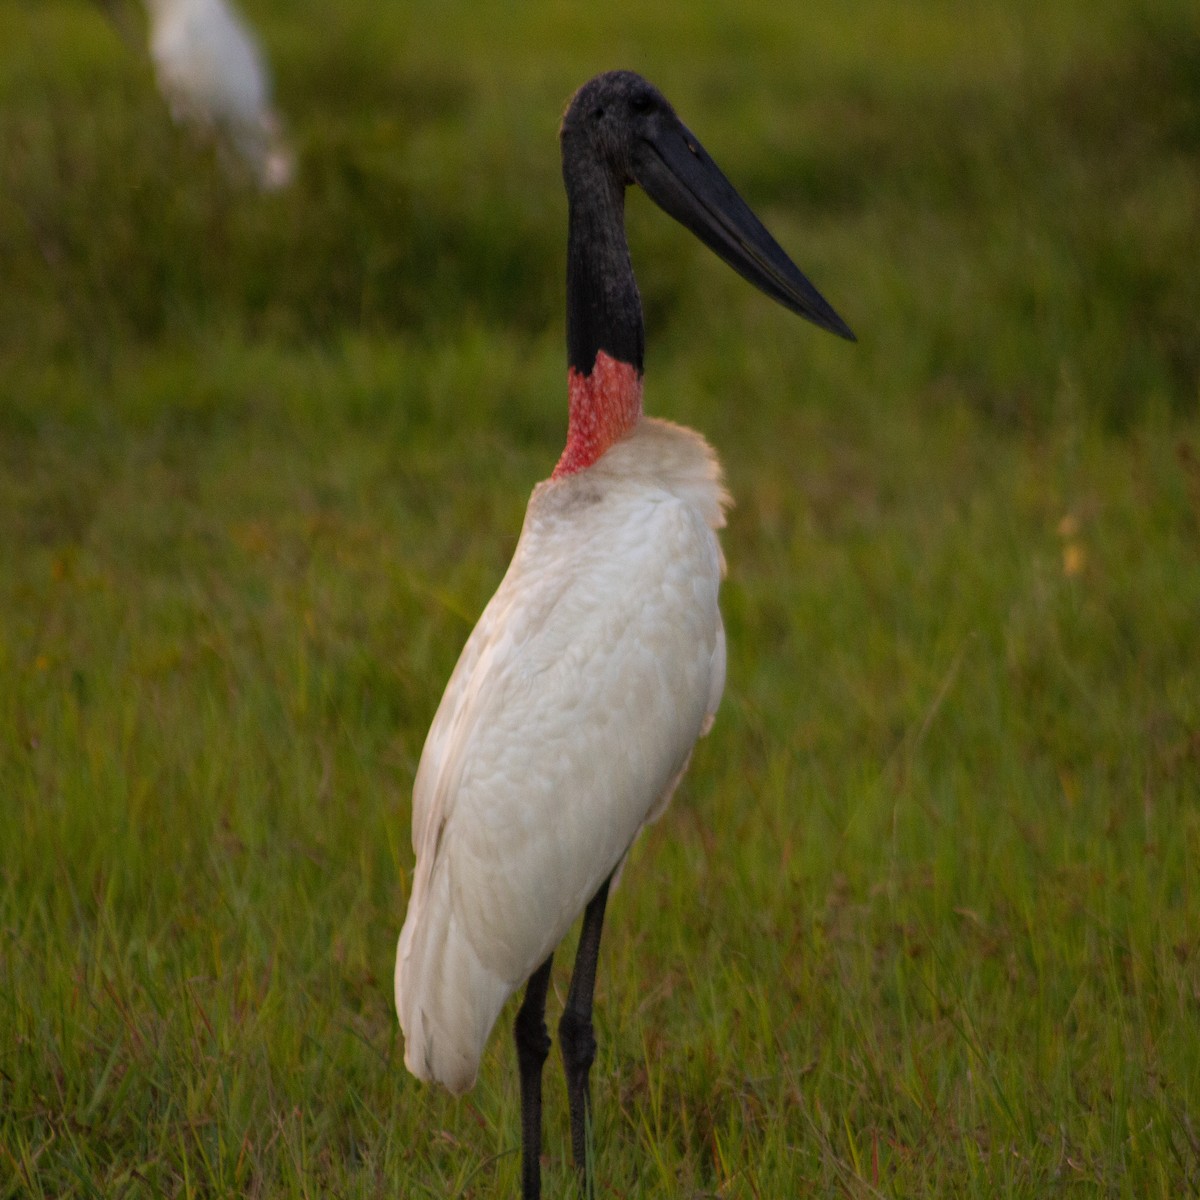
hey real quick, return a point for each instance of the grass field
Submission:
(924, 919)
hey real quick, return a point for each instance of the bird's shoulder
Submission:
(658, 458)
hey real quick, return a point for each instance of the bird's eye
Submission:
(642, 104)
(597, 113)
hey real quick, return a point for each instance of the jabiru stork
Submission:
(599, 662)
(212, 75)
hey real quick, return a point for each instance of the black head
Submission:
(620, 129)
(608, 119)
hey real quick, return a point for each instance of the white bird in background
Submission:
(212, 75)
(600, 660)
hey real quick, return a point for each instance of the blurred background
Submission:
(923, 919)
(1007, 192)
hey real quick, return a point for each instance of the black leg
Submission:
(575, 1036)
(533, 1044)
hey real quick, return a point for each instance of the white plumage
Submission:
(212, 74)
(605, 638)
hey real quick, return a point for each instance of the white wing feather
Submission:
(566, 724)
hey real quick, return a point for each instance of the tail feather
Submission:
(447, 1000)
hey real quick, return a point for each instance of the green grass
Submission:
(923, 919)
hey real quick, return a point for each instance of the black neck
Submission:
(604, 310)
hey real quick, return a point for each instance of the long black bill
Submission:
(678, 174)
